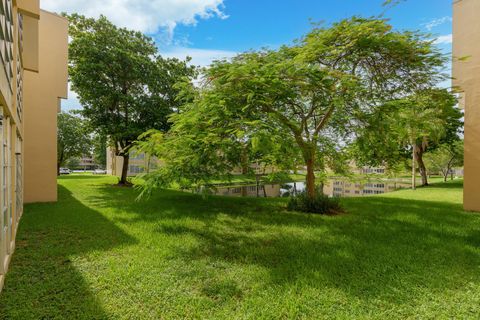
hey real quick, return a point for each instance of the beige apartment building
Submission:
(33, 77)
(138, 163)
(466, 74)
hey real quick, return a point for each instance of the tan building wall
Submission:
(11, 127)
(138, 163)
(466, 73)
(29, 102)
(43, 92)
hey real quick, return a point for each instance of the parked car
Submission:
(99, 171)
(65, 171)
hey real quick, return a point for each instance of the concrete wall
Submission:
(43, 91)
(466, 43)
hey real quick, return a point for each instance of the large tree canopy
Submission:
(308, 96)
(123, 84)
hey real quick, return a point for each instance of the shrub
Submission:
(321, 204)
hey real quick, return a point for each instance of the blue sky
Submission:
(253, 24)
(212, 29)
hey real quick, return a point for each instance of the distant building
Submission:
(137, 164)
(346, 188)
(371, 170)
(87, 163)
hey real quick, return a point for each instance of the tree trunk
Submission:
(244, 160)
(244, 191)
(123, 179)
(445, 175)
(422, 168)
(60, 160)
(311, 177)
(414, 171)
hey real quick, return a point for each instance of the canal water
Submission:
(332, 188)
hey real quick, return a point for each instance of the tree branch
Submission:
(324, 120)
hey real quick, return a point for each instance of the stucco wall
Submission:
(43, 91)
(466, 73)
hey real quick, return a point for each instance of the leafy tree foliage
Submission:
(73, 163)
(445, 158)
(392, 2)
(123, 84)
(308, 98)
(411, 125)
(73, 139)
(100, 144)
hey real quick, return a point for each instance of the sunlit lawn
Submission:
(98, 254)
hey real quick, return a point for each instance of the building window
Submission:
(137, 156)
(6, 201)
(3, 197)
(18, 180)
(6, 39)
(134, 169)
(19, 70)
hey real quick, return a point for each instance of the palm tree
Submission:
(417, 123)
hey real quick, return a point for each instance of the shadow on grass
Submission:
(81, 176)
(384, 247)
(42, 282)
(449, 184)
(386, 251)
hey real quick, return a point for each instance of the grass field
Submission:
(98, 254)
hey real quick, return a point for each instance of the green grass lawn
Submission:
(98, 254)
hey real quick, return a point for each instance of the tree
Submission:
(445, 158)
(391, 2)
(314, 91)
(100, 144)
(73, 163)
(415, 124)
(206, 143)
(447, 115)
(123, 84)
(72, 138)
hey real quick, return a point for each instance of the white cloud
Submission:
(200, 57)
(436, 22)
(446, 39)
(149, 16)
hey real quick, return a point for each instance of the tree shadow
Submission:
(80, 177)
(370, 258)
(384, 248)
(449, 184)
(43, 281)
